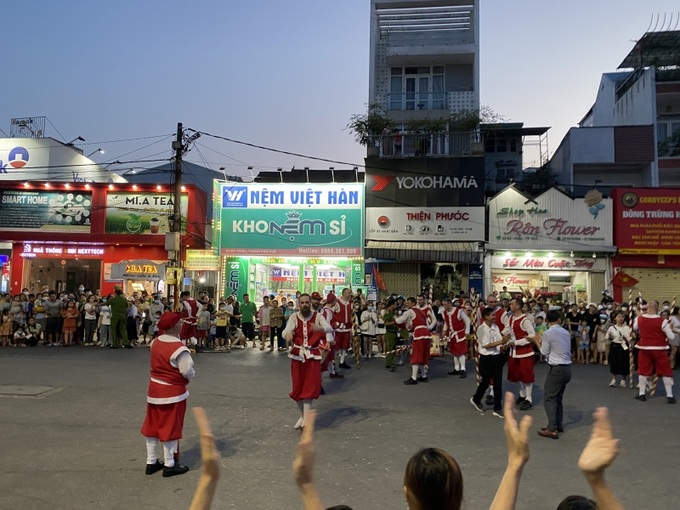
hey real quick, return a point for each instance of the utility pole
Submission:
(176, 226)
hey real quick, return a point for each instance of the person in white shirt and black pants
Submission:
(491, 361)
(556, 347)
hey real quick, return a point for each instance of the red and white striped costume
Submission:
(171, 370)
(309, 337)
(327, 314)
(419, 322)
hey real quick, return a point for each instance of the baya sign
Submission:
(647, 221)
(552, 220)
(289, 219)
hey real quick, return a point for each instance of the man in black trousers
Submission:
(556, 347)
(490, 340)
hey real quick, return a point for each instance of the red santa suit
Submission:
(171, 370)
(655, 331)
(190, 310)
(456, 326)
(419, 322)
(521, 361)
(309, 336)
(342, 324)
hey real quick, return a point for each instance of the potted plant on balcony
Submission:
(367, 127)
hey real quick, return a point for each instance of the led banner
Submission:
(142, 213)
(45, 211)
(425, 224)
(647, 221)
(550, 221)
(290, 219)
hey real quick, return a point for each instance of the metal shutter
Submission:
(658, 284)
(400, 278)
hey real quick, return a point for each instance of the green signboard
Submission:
(235, 277)
(309, 220)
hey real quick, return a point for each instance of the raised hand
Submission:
(602, 448)
(516, 436)
(303, 464)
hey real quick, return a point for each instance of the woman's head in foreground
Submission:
(433, 481)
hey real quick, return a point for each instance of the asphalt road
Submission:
(70, 419)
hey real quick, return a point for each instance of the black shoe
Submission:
(154, 468)
(526, 405)
(409, 382)
(641, 398)
(128, 346)
(113, 347)
(498, 413)
(393, 368)
(520, 400)
(489, 400)
(551, 434)
(175, 470)
(323, 392)
(463, 374)
(345, 366)
(423, 379)
(670, 400)
(560, 429)
(453, 372)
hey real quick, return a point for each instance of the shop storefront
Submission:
(425, 226)
(203, 268)
(139, 275)
(647, 235)
(550, 245)
(278, 239)
(65, 236)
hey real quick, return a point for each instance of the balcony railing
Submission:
(406, 101)
(406, 145)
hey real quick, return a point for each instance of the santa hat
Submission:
(330, 299)
(316, 296)
(168, 320)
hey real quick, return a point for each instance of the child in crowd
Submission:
(583, 342)
(236, 338)
(6, 328)
(70, 315)
(601, 339)
(34, 332)
(212, 331)
(154, 325)
(104, 325)
(202, 328)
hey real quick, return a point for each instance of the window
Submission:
(668, 138)
(417, 88)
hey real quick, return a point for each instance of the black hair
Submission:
(552, 316)
(577, 503)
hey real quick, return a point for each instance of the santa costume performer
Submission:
(171, 370)
(456, 327)
(655, 332)
(342, 324)
(328, 312)
(308, 334)
(521, 360)
(190, 309)
(420, 320)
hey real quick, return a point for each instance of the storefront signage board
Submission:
(290, 219)
(550, 221)
(138, 270)
(647, 221)
(141, 213)
(45, 211)
(202, 260)
(524, 263)
(49, 250)
(235, 277)
(173, 275)
(425, 224)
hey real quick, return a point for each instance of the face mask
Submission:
(223, 307)
(158, 301)
(609, 307)
(103, 300)
(371, 308)
(666, 307)
(172, 301)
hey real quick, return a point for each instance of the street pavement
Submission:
(70, 419)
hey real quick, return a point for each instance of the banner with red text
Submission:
(647, 221)
(545, 263)
(550, 221)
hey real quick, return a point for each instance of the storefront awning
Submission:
(424, 252)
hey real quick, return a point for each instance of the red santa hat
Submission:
(330, 299)
(168, 320)
(317, 296)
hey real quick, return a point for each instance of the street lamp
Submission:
(79, 138)
(100, 151)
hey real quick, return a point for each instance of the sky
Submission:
(280, 74)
